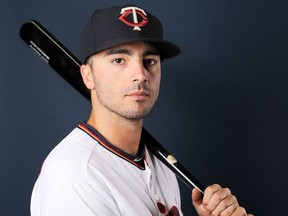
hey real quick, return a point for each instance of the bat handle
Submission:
(170, 161)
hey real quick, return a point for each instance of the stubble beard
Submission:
(136, 115)
(137, 111)
(129, 114)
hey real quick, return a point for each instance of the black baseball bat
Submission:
(68, 66)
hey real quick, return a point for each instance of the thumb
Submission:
(196, 197)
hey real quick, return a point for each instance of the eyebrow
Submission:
(117, 51)
(128, 52)
(152, 52)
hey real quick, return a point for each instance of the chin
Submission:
(136, 115)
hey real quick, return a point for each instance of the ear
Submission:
(87, 76)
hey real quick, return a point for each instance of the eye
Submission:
(118, 61)
(150, 62)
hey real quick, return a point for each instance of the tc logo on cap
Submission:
(134, 11)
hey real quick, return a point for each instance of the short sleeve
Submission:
(77, 199)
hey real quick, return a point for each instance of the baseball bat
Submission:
(49, 49)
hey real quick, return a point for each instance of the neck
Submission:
(122, 133)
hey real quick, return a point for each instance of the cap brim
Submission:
(166, 48)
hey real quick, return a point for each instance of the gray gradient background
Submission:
(222, 110)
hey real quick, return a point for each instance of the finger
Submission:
(240, 211)
(227, 206)
(209, 192)
(221, 199)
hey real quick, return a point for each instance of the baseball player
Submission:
(103, 166)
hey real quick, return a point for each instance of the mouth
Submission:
(138, 95)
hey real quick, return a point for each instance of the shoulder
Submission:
(68, 161)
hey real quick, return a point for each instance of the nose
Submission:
(139, 73)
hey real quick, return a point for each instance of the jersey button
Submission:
(157, 198)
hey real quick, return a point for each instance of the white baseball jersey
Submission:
(85, 175)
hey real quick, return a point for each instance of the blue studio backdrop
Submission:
(222, 109)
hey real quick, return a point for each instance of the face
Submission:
(125, 80)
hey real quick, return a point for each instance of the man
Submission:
(103, 166)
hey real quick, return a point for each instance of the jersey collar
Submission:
(137, 160)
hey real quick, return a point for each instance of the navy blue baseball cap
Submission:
(123, 24)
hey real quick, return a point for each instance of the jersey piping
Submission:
(137, 160)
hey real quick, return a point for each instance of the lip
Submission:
(139, 95)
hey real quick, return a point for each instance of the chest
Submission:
(150, 191)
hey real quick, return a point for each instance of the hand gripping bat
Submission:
(68, 66)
